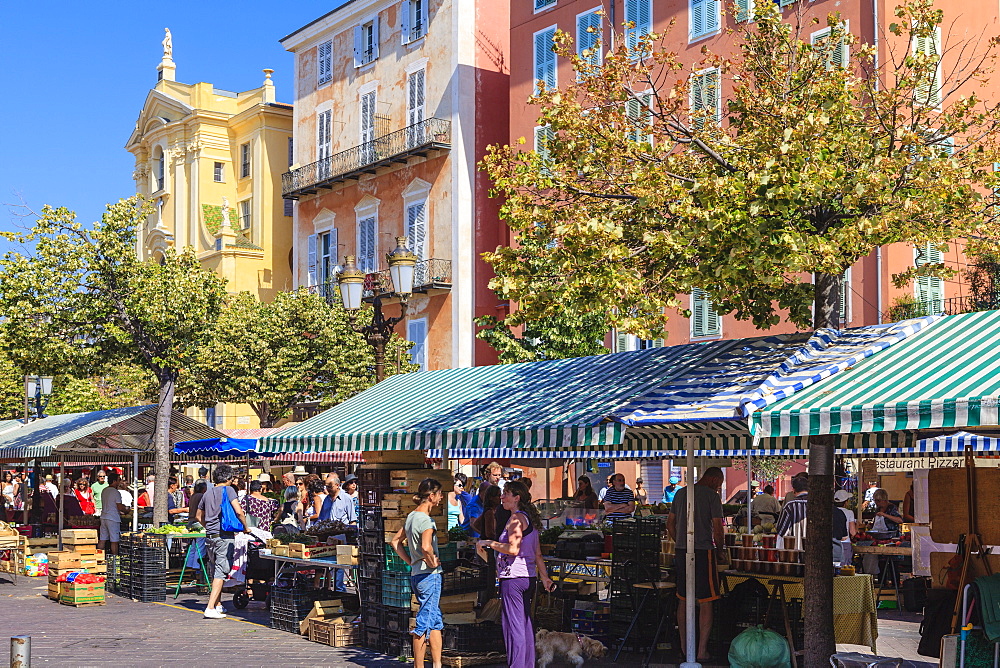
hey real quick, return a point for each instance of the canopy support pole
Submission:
(135, 494)
(62, 501)
(548, 492)
(690, 601)
(26, 499)
(750, 484)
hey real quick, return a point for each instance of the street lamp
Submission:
(351, 282)
(36, 387)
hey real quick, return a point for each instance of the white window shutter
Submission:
(639, 14)
(588, 35)
(358, 46)
(416, 228)
(704, 320)
(711, 15)
(366, 245)
(416, 333)
(424, 19)
(404, 14)
(375, 38)
(845, 295)
(311, 261)
(930, 289)
(929, 90)
(697, 9)
(744, 10)
(545, 59)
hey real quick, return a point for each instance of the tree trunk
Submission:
(820, 642)
(161, 447)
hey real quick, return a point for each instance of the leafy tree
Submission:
(81, 300)
(764, 469)
(548, 338)
(636, 196)
(118, 387)
(273, 355)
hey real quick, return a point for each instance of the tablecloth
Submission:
(855, 621)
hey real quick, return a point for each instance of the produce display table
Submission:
(282, 563)
(854, 618)
(884, 550)
(589, 570)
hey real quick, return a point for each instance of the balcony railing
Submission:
(433, 274)
(950, 306)
(395, 147)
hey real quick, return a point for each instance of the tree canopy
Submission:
(651, 180)
(78, 299)
(273, 355)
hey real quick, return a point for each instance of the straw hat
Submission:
(300, 470)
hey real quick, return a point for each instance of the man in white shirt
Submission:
(150, 481)
(111, 513)
(50, 487)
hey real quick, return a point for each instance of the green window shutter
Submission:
(704, 320)
(637, 111)
(928, 92)
(744, 10)
(545, 58)
(930, 289)
(621, 342)
(639, 17)
(845, 293)
(837, 56)
(659, 343)
(705, 96)
(785, 3)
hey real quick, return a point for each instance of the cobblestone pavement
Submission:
(127, 633)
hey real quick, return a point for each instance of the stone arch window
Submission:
(159, 171)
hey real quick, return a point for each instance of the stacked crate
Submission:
(635, 558)
(292, 601)
(141, 567)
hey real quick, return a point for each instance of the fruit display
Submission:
(169, 528)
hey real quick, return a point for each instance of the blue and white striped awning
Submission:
(753, 373)
(520, 453)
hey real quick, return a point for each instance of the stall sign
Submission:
(892, 465)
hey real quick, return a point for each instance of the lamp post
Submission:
(36, 387)
(351, 282)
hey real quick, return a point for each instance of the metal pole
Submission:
(750, 486)
(62, 500)
(26, 498)
(691, 614)
(20, 652)
(548, 492)
(135, 492)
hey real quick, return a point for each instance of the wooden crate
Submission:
(947, 491)
(402, 458)
(409, 480)
(79, 535)
(334, 632)
(73, 593)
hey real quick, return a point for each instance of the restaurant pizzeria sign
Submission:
(894, 464)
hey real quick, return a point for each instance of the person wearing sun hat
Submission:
(844, 526)
(670, 489)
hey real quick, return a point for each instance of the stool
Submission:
(647, 588)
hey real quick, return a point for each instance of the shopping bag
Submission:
(228, 520)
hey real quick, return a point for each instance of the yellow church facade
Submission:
(210, 161)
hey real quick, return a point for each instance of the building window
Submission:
(245, 160)
(629, 342)
(291, 151)
(929, 289)
(414, 21)
(744, 10)
(289, 207)
(324, 62)
(588, 36)
(161, 169)
(367, 236)
(219, 172)
(836, 56)
(543, 135)
(366, 42)
(246, 214)
(845, 297)
(367, 137)
(704, 17)
(416, 333)
(706, 99)
(415, 97)
(928, 92)
(326, 243)
(545, 58)
(544, 4)
(639, 16)
(416, 237)
(324, 142)
(640, 117)
(704, 320)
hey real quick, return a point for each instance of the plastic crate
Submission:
(374, 639)
(371, 567)
(370, 518)
(372, 543)
(448, 552)
(372, 496)
(373, 615)
(484, 637)
(285, 622)
(399, 645)
(396, 589)
(297, 601)
(339, 634)
(463, 580)
(373, 478)
(393, 562)
(370, 591)
(397, 620)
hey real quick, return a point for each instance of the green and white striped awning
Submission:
(946, 376)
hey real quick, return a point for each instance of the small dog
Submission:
(575, 648)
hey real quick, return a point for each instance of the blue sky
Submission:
(75, 75)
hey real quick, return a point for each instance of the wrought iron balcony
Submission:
(395, 147)
(950, 306)
(433, 274)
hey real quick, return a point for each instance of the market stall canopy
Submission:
(106, 434)
(219, 447)
(587, 403)
(242, 443)
(944, 378)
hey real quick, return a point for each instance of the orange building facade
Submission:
(397, 101)
(870, 296)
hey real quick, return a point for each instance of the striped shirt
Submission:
(618, 496)
(792, 519)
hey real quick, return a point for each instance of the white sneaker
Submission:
(213, 613)
(221, 608)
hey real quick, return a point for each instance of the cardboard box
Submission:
(280, 551)
(347, 550)
(73, 592)
(347, 560)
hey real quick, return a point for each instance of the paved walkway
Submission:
(126, 633)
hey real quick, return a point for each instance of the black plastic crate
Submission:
(463, 580)
(372, 543)
(373, 478)
(371, 566)
(369, 591)
(285, 622)
(397, 620)
(372, 496)
(370, 518)
(484, 637)
(297, 599)
(374, 639)
(373, 615)
(399, 645)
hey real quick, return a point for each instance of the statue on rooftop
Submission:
(168, 45)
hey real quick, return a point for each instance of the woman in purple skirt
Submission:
(519, 559)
